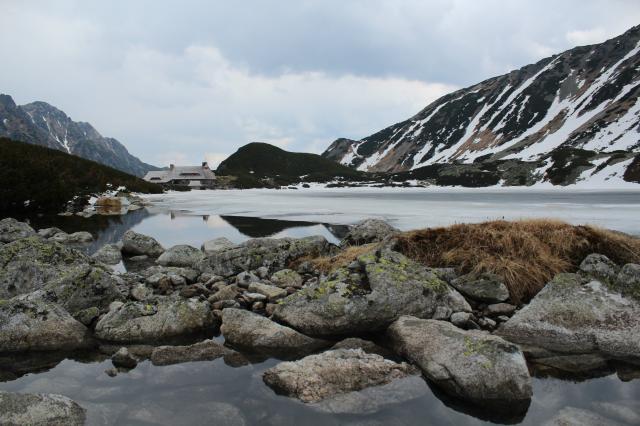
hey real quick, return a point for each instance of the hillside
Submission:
(261, 164)
(578, 110)
(48, 178)
(42, 124)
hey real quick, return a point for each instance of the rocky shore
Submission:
(367, 334)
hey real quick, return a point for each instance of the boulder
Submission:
(27, 264)
(49, 232)
(366, 345)
(181, 255)
(578, 315)
(318, 377)
(217, 244)
(148, 322)
(12, 230)
(472, 365)
(247, 330)
(394, 286)
(599, 266)
(368, 231)
(109, 254)
(207, 350)
(39, 410)
(272, 253)
(286, 278)
(487, 288)
(628, 280)
(30, 323)
(134, 244)
(272, 292)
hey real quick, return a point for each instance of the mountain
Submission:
(576, 111)
(48, 178)
(262, 164)
(39, 123)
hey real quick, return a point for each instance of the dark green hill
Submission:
(261, 164)
(48, 178)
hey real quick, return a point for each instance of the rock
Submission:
(39, 410)
(243, 279)
(111, 372)
(286, 278)
(628, 280)
(366, 345)
(49, 232)
(570, 416)
(207, 350)
(140, 258)
(599, 266)
(247, 330)
(627, 411)
(12, 230)
(317, 377)
(257, 306)
(177, 280)
(109, 254)
(446, 274)
(498, 309)
(487, 288)
(229, 292)
(134, 244)
(141, 292)
(272, 253)
(472, 365)
(168, 317)
(255, 297)
(180, 255)
(396, 286)
(87, 316)
(189, 274)
(74, 238)
(368, 231)
(272, 292)
(462, 319)
(124, 359)
(29, 323)
(29, 263)
(578, 315)
(574, 363)
(262, 272)
(217, 244)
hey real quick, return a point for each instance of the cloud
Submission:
(586, 37)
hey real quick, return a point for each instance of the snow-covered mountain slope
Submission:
(42, 124)
(583, 101)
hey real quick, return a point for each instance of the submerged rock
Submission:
(488, 288)
(472, 365)
(109, 254)
(273, 253)
(39, 410)
(207, 350)
(396, 286)
(251, 331)
(122, 358)
(134, 244)
(29, 323)
(368, 231)
(180, 255)
(570, 416)
(166, 318)
(317, 377)
(574, 314)
(12, 230)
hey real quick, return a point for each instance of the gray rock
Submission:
(168, 317)
(109, 254)
(487, 288)
(88, 315)
(49, 232)
(262, 272)
(229, 292)
(39, 410)
(134, 244)
(217, 244)
(207, 350)
(368, 231)
(461, 319)
(243, 279)
(471, 365)
(498, 309)
(74, 238)
(396, 286)
(628, 280)
(570, 416)
(28, 264)
(141, 292)
(272, 253)
(29, 323)
(189, 274)
(181, 255)
(286, 278)
(248, 330)
(572, 314)
(599, 266)
(574, 363)
(272, 292)
(122, 358)
(12, 230)
(255, 297)
(318, 377)
(366, 345)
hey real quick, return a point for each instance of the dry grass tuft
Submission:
(326, 264)
(526, 253)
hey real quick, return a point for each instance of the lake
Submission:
(198, 392)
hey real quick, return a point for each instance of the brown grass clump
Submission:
(325, 264)
(526, 253)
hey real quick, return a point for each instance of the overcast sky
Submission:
(185, 80)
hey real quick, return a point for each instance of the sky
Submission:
(183, 81)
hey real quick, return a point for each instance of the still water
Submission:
(213, 392)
